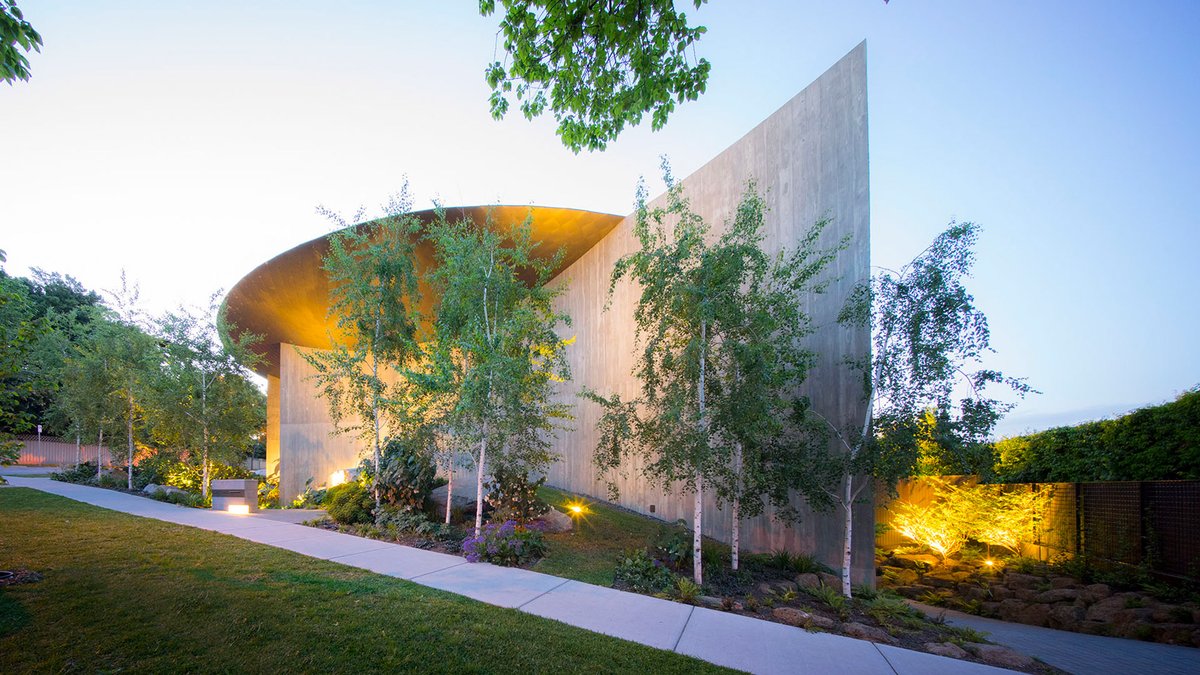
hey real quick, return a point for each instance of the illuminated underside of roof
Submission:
(286, 299)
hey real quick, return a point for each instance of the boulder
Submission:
(916, 561)
(1023, 612)
(989, 608)
(1057, 595)
(151, 488)
(946, 649)
(1106, 610)
(1065, 617)
(801, 618)
(1098, 591)
(830, 580)
(808, 580)
(1000, 656)
(1025, 594)
(464, 501)
(1015, 580)
(1064, 582)
(940, 580)
(784, 586)
(1002, 592)
(555, 520)
(899, 575)
(710, 602)
(865, 632)
(915, 591)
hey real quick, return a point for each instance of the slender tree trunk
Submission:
(698, 531)
(204, 478)
(449, 487)
(848, 500)
(99, 453)
(375, 401)
(78, 449)
(129, 433)
(479, 481)
(698, 505)
(736, 539)
(848, 504)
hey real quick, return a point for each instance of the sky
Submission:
(186, 143)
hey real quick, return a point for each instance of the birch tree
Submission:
(929, 340)
(762, 362)
(720, 326)
(495, 333)
(205, 402)
(132, 358)
(374, 297)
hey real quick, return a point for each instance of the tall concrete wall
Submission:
(810, 158)
(309, 448)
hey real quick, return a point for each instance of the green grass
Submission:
(126, 593)
(589, 552)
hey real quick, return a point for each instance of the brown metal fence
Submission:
(1150, 523)
(51, 451)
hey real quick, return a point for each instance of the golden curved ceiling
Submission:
(286, 299)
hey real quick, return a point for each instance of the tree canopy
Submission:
(16, 34)
(596, 66)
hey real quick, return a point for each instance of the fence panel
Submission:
(51, 451)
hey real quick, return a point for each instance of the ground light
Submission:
(240, 509)
(576, 509)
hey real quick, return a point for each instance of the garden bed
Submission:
(1068, 596)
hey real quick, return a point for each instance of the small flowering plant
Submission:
(506, 544)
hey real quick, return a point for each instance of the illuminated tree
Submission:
(375, 295)
(927, 336)
(205, 402)
(495, 346)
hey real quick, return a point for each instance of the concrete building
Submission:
(809, 158)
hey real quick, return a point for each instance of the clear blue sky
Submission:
(189, 142)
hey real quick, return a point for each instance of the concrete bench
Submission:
(235, 494)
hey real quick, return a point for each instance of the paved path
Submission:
(719, 637)
(1077, 652)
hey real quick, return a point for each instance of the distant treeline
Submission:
(1159, 442)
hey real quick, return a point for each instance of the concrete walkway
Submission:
(718, 637)
(1077, 652)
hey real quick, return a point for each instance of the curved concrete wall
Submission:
(810, 159)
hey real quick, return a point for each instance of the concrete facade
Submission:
(809, 159)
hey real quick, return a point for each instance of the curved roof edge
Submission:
(286, 299)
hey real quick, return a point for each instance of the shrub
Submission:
(190, 499)
(349, 503)
(673, 545)
(406, 475)
(506, 544)
(639, 571)
(80, 473)
(404, 520)
(514, 497)
(107, 480)
(311, 498)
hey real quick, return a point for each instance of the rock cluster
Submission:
(1049, 600)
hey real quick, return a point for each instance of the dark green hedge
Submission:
(1159, 442)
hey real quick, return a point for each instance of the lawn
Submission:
(127, 593)
(589, 552)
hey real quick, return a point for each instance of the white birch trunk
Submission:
(736, 539)
(99, 453)
(78, 449)
(698, 505)
(846, 554)
(129, 431)
(479, 481)
(449, 487)
(698, 531)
